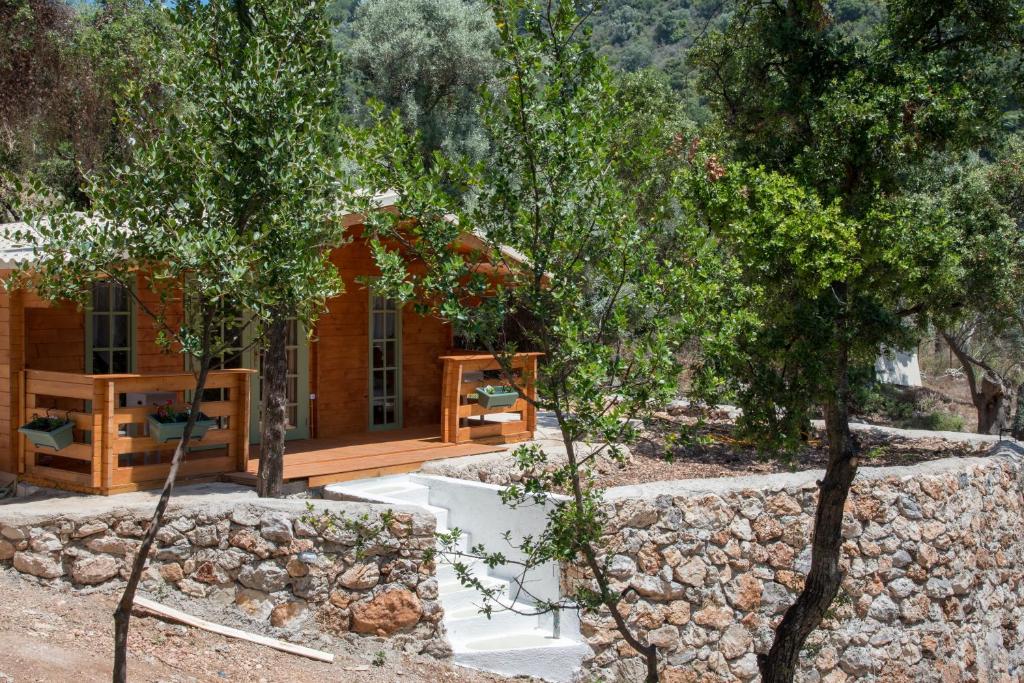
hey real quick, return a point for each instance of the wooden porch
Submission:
(359, 456)
(112, 451)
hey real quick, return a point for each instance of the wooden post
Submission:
(98, 405)
(18, 439)
(109, 430)
(450, 396)
(530, 379)
(242, 416)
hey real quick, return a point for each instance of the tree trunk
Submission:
(274, 413)
(123, 612)
(608, 597)
(1017, 430)
(991, 399)
(825, 577)
(993, 405)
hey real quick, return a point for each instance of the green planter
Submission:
(169, 431)
(57, 438)
(499, 398)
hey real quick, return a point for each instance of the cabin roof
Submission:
(13, 254)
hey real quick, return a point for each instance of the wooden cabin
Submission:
(375, 389)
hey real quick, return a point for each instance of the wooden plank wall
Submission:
(12, 359)
(342, 356)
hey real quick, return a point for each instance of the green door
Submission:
(297, 409)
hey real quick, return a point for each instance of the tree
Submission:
(217, 212)
(983, 321)
(601, 286)
(63, 69)
(426, 59)
(835, 252)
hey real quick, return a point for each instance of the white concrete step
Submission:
(398, 489)
(529, 653)
(446, 572)
(454, 596)
(468, 623)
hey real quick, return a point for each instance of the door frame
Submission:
(399, 358)
(251, 360)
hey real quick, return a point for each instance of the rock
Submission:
(90, 529)
(657, 588)
(744, 592)
(208, 572)
(938, 588)
(393, 610)
(361, 576)
(428, 590)
(775, 598)
(767, 528)
(621, 567)
(253, 602)
(171, 572)
(713, 616)
(7, 549)
(182, 524)
(856, 661)
(735, 641)
(666, 637)
(244, 515)
(266, 576)
(883, 609)
(112, 545)
(277, 527)
(901, 588)
(192, 588)
(782, 504)
(740, 528)
(13, 533)
(745, 668)
(636, 514)
(205, 536)
(95, 569)
(692, 572)
(287, 612)
(296, 568)
(45, 543)
(39, 565)
(678, 612)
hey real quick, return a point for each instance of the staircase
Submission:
(506, 643)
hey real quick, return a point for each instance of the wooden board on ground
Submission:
(189, 620)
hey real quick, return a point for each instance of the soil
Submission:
(49, 634)
(710, 449)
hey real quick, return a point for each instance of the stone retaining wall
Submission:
(933, 555)
(301, 570)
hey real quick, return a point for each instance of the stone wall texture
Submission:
(933, 556)
(301, 570)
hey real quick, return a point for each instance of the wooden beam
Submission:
(177, 615)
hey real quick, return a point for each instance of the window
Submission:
(109, 334)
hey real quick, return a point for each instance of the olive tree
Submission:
(580, 261)
(227, 209)
(837, 252)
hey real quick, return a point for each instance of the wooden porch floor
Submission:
(325, 461)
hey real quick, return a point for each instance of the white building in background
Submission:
(898, 367)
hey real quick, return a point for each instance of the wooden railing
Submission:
(464, 419)
(112, 450)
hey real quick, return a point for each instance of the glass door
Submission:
(385, 363)
(297, 406)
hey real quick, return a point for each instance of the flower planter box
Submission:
(57, 438)
(501, 398)
(169, 431)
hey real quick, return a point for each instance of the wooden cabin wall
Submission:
(12, 355)
(55, 338)
(342, 355)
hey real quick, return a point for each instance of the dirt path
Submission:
(52, 635)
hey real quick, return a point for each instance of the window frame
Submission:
(89, 329)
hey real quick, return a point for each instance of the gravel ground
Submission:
(709, 449)
(49, 634)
